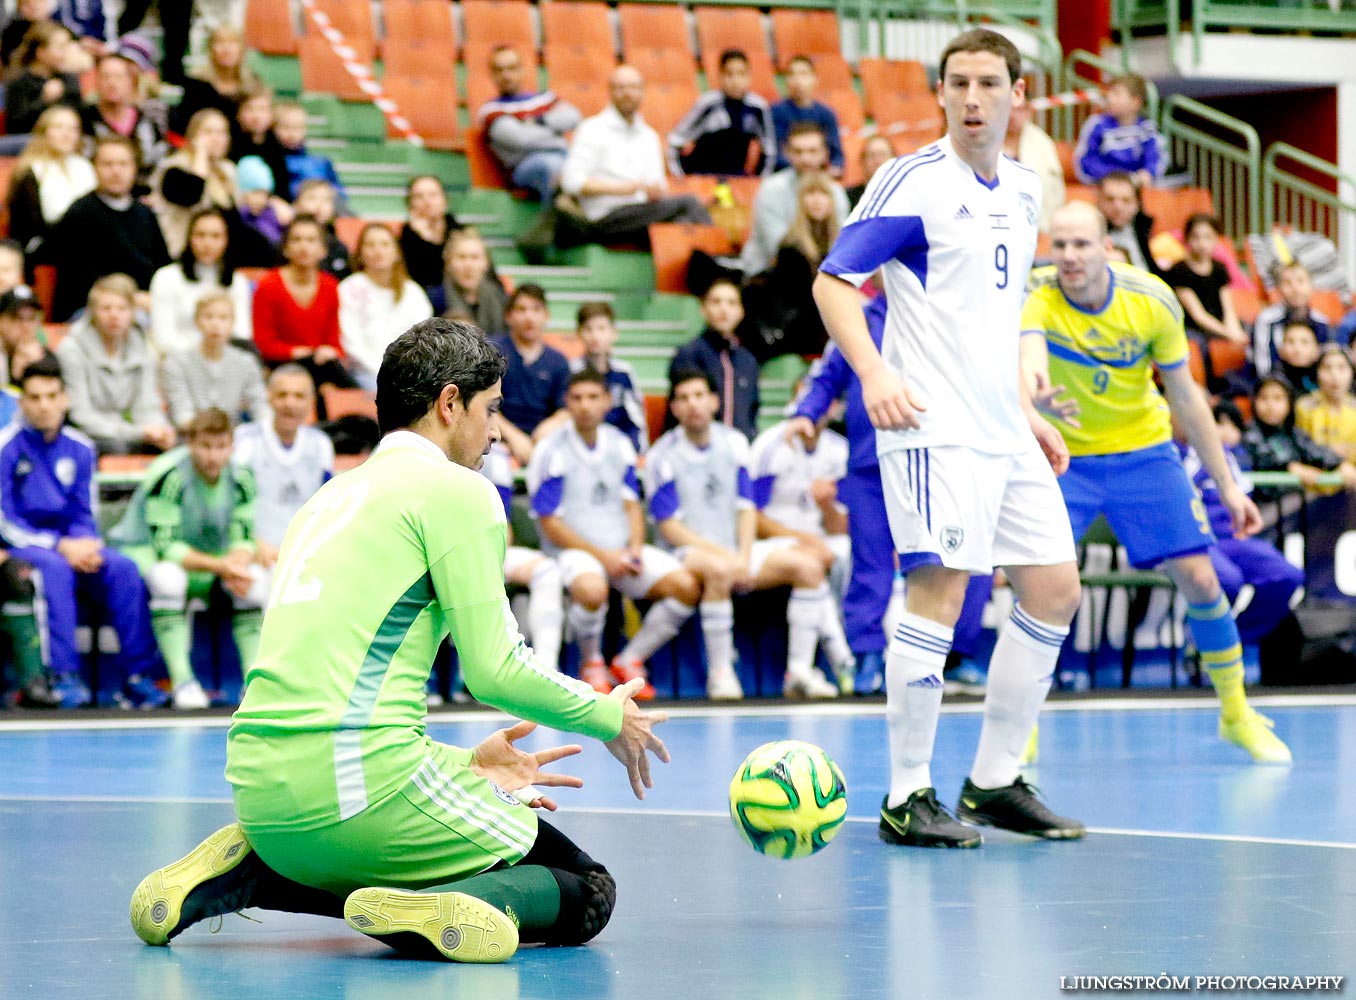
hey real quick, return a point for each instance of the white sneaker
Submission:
(808, 684)
(724, 686)
(190, 695)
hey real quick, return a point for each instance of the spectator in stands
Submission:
(49, 176)
(195, 177)
(222, 82)
(206, 265)
(377, 303)
(728, 131)
(1121, 138)
(469, 284)
(586, 499)
(215, 372)
(1202, 286)
(525, 129)
(175, 20)
(48, 520)
(537, 375)
(800, 105)
(117, 111)
(289, 125)
(1027, 143)
(256, 207)
(780, 312)
(1296, 289)
(717, 352)
(318, 199)
(1128, 228)
(596, 324)
(1328, 414)
(775, 204)
(109, 218)
(615, 170)
(428, 228)
(296, 309)
(1275, 444)
(11, 265)
(876, 152)
(1298, 357)
(28, 13)
(252, 135)
(20, 315)
(39, 77)
(290, 459)
(189, 527)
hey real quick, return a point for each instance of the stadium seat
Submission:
(762, 77)
(672, 244)
(1326, 301)
(269, 28)
(832, 70)
(1171, 207)
(485, 169)
(721, 28)
(910, 120)
(498, 22)
(1247, 303)
(590, 96)
(44, 286)
(886, 79)
(652, 25)
(352, 18)
(846, 105)
(666, 103)
(567, 344)
(479, 86)
(700, 186)
(577, 23)
(323, 72)
(430, 105)
(348, 402)
(1066, 161)
(656, 412)
(812, 33)
(420, 21)
(422, 57)
(853, 141)
(566, 62)
(1195, 362)
(1226, 356)
(664, 66)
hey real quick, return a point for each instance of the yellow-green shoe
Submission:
(461, 927)
(158, 911)
(1252, 732)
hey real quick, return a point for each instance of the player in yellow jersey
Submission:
(1096, 330)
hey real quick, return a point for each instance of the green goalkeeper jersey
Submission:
(374, 571)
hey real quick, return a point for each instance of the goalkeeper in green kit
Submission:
(344, 806)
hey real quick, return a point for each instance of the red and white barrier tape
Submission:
(1066, 100)
(359, 70)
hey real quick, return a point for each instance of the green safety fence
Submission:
(1291, 200)
(1223, 155)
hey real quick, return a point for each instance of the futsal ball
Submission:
(788, 799)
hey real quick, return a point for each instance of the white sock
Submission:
(587, 628)
(1020, 672)
(661, 624)
(718, 635)
(804, 614)
(913, 700)
(836, 646)
(546, 612)
(894, 610)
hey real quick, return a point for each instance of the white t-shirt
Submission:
(587, 488)
(955, 254)
(370, 317)
(783, 470)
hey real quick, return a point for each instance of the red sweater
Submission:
(281, 325)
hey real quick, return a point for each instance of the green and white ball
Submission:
(788, 799)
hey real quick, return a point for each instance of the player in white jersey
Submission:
(526, 567)
(795, 467)
(289, 458)
(966, 462)
(701, 499)
(586, 499)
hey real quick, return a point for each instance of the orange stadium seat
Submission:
(44, 286)
(910, 120)
(425, 57)
(1195, 362)
(1247, 303)
(672, 244)
(812, 33)
(498, 22)
(486, 170)
(1080, 192)
(656, 413)
(1226, 356)
(721, 28)
(652, 25)
(353, 19)
(566, 343)
(1329, 303)
(1066, 160)
(323, 72)
(700, 186)
(269, 28)
(565, 22)
(566, 62)
(832, 70)
(430, 104)
(846, 105)
(420, 20)
(1171, 207)
(886, 79)
(348, 402)
(479, 86)
(664, 66)
(762, 77)
(666, 103)
(590, 96)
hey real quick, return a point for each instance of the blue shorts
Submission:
(1147, 499)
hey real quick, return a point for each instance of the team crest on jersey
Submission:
(600, 494)
(713, 489)
(952, 537)
(1029, 207)
(65, 471)
(503, 795)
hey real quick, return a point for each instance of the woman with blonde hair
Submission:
(49, 176)
(469, 284)
(221, 83)
(40, 76)
(377, 302)
(196, 177)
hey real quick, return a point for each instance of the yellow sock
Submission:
(1228, 682)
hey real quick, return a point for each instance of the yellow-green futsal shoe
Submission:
(461, 927)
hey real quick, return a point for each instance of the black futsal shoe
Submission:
(922, 821)
(1015, 807)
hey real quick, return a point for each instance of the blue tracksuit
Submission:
(47, 494)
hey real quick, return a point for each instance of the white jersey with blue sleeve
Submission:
(954, 252)
(497, 467)
(285, 477)
(705, 487)
(783, 471)
(585, 486)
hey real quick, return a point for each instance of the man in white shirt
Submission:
(775, 204)
(615, 169)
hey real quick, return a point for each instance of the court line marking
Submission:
(845, 709)
(708, 814)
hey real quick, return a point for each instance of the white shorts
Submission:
(518, 556)
(968, 510)
(764, 547)
(655, 564)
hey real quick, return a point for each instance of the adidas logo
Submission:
(930, 681)
(963, 214)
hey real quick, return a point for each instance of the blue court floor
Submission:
(1199, 864)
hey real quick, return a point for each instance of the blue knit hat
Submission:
(253, 174)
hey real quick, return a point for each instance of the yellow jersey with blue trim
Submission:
(1105, 357)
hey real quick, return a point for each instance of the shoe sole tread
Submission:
(157, 902)
(461, 927)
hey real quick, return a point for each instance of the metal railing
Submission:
(1222, 155)
(1291, 200)
(877, 23)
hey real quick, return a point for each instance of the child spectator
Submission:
(50, 175)
(1296, 289)
(29, 13)
(1121, 138)
(111, 374)
(39, 78)
(425, 235)
(1202, 287)
(1299, 357)
(207, 265)
(728, 131)
(196, 177)
(469, 285)
(597, 327)
(1275, 444)
(377, 303)
(215, 372)
(718, 352)
(800, 105)
(289, 125)
(537, 374)
(19, 318)
(221, 83)
(316, 198)
(254, 181)
(1328, 414)
(252, 135)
